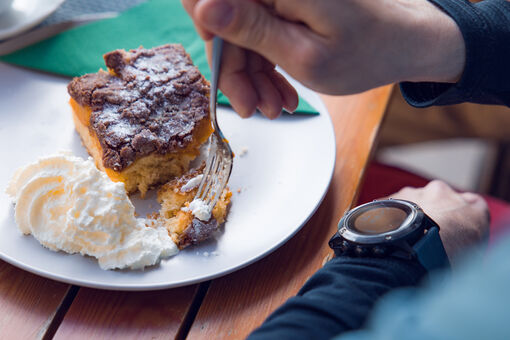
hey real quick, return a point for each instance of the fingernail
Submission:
(219, 15)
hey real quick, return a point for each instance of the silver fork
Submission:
(219, 160)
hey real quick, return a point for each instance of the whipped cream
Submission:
(67, 204)
(199, 209)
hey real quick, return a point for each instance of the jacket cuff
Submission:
(481, 43)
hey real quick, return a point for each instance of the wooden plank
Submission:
(236, 304)
(100, 314)
(28, 303)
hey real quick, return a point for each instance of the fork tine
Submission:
(206, 174)
(214, 176)
(210, 178)
(222, 179)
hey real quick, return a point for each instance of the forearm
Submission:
(485, 29)
(338, 298)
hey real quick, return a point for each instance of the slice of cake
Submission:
(144, 120)
(183, 227)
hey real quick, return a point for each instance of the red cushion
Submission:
(382, 180)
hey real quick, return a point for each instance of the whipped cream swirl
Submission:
(67, 204)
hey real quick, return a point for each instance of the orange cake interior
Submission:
(144, 172)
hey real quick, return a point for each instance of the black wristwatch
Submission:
(390, 228)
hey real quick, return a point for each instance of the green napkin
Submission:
(80, 50)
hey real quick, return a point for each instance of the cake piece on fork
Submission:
(183, 227)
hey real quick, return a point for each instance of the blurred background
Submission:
(466, 145)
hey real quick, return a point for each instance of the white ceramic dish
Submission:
(25, 14)
(5, 5)
(282, 178)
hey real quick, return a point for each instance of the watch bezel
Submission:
(411, 224)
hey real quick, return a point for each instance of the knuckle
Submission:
(251, 30)
(438, 184)
(472, 197)
(438, 188)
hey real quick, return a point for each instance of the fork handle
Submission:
(215, 74)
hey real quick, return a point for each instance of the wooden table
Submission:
(229, 307)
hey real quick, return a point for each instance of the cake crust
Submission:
(150, 102)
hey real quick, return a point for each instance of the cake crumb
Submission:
(326, 259)
(153, 215)
(243, 151)
(193, 183)
(239, 190)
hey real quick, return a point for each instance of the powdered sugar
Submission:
(151, 104)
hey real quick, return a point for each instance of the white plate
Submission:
(25, 14)
(282, 179)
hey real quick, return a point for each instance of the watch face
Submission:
(383, 221)
(379, 220)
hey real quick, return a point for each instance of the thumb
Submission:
(248, 24)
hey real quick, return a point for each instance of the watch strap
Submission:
(430, 250)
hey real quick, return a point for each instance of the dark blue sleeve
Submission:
(338, 297)
(485, 27)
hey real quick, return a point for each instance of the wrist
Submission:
(436, 49)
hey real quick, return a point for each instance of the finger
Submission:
(202, 32)
(234, 80)
(251, 25)
(288, 93)
(238, 87)
(471, 198)
(189, 6)
(438, 187)
(270, 102)
(310, 12)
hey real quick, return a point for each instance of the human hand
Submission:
(463, 218)
(334, 47)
